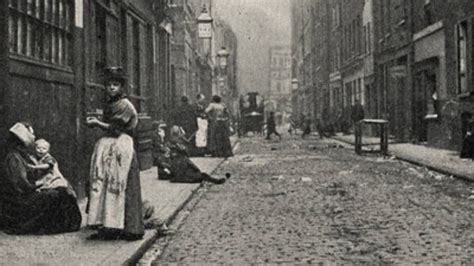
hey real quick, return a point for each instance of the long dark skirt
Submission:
(219, 142)
(133, 201)
(47, 212)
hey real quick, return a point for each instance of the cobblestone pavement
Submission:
(314, 202)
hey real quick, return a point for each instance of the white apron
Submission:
(110, 165)
(201, 134)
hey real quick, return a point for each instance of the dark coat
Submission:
(185, 116)
(357, 113)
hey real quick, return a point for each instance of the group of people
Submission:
(206, 129)
(35, 198)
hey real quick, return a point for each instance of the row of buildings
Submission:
(408, 61)
(278, 95)
(53, 54)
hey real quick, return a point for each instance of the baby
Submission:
(46, 164)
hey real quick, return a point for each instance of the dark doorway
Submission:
(424, 98)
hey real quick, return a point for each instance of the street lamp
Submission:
(294, 84)
(204, 22)
(222, 56)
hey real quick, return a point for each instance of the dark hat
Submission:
(115, 74)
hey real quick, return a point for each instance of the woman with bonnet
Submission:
(24, 209)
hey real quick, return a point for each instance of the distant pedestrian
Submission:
(271, 126)
(306, 125)
(218, 141)
(357, 115)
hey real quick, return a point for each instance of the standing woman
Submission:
(115, 202)
(218, 142)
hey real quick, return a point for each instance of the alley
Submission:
(314, 201)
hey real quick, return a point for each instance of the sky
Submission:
(258, 24)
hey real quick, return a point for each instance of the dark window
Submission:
(41, 30)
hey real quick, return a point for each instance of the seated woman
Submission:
(161, 153)
(24, 209)
(183, 170)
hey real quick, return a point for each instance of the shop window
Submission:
(41, 30)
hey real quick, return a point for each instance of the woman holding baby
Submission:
(33, 199)
(115, 202)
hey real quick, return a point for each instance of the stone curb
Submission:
(411, 160)
(149, 240)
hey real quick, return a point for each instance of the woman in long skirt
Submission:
(115, 202)
(219, 142)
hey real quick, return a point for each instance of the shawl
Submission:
(121, 115)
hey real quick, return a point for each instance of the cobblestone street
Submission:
(312, 201)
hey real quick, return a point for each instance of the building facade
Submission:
(393, 62)
(409, 62)
(226, 79)
(302, 60)
(278, 95)
(53, 67)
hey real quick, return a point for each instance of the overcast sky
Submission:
(258, 25)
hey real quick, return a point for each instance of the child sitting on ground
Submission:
(46, 164)
(161, 152)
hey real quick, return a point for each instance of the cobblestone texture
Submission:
(313, 202)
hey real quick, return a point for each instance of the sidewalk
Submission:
(74, 248)
(444, 161)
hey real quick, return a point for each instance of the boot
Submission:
(214, 180)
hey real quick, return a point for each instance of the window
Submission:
(138, 55)
(135, 59)
(462, 57)
(41, 30)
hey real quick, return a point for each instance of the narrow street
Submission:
(313, 201)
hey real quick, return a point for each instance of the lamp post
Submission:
(204, 22)
(222, 61)
(295, 96)
(294, 84)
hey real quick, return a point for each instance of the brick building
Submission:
(53, 61)
(279, 90)
(393, 62)
(302, 63)
(443, 70)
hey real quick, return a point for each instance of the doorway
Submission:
(424, 98)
